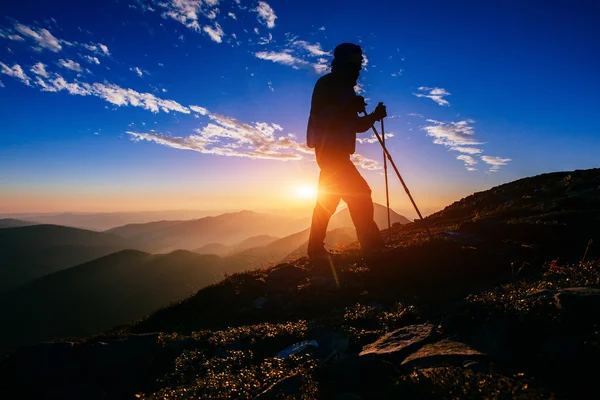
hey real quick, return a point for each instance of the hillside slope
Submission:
(29, 252)
(108, 291)
(498, 304)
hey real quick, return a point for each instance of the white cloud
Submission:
(227, 136)
(43, 37)
(137, 71)
(459, 137)
(469, 162)
(266, 15)
(467, 150)
(314, 49)
(364, 162)
(436, 94)
(280, 57)
(109, 92)
(322, 28)
(495, 162)
(265, 39)
(2, 84)
(399, 73)
(70, 64)
(216, 33)
(199, 110)
(98, 48)
(415, 115)
(187, 11)
(373, 139)
(231, 15)
(91, 60)
(39, 69)
(453, 134)
(16, 72)
(104, 49)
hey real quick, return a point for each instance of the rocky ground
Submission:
(502, 302)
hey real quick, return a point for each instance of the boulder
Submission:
(579, 301)
(444, 352)
(401, 342)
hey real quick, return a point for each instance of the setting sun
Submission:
(306, 192)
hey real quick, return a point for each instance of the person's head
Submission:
(347, 59)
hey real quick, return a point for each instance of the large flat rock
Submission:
(401, 341)
(443, 352)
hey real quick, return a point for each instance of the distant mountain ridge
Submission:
(107, 291)
(14, 223)
(29, 252)
(226, 229)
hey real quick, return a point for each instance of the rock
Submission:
(442, 353)
(401, 342)
(296, 348)
(579, 300)
(289, 386)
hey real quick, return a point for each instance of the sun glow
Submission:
(305, 192)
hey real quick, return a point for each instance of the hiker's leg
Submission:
(327, 202)
(357, 194)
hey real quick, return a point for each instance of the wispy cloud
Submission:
(283, 57)
(184, 11)
(232, 15)
(436, 94)
(91, 59)
(467, 150)
(114, 94)
(215, 32)
(16, 72)
(42, 37)
(495, 162)
(266, 15)
(97, 48)
(39, 69)
(314, 49)
(137, 70)
(364, 162)
(460, 137)
(70, 64)
(452, 134)
(2, 84)
(469, 162)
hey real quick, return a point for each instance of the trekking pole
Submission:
(389, 157)
(387, 191)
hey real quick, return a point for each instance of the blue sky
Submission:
(148, 105)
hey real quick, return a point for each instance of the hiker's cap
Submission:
(348, 52)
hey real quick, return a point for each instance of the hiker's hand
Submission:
(359, 104)
(379, 113)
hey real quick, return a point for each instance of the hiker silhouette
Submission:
(332, 127)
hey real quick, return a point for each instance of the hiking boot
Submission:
(319, 255)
